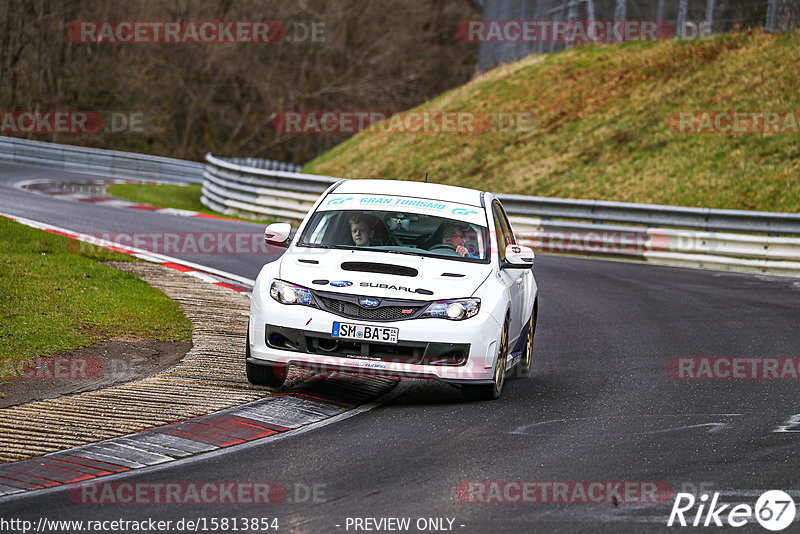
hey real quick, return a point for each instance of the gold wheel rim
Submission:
(500, 368)
(529, 345)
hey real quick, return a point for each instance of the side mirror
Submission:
(277, 234)
(518, 257)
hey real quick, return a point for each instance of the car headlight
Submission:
(454, 310)
(291, 294)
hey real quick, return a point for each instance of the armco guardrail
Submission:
(667, 235)
(99, 161)
(233, 188)
(671, 235)
(655, 215)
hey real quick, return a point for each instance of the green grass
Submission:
(184, 197)
(56, 297)
(601, 127)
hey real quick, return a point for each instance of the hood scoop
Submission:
(381, 268)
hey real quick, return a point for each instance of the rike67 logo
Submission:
(774, 510)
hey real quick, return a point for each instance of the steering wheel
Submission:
(443, 245)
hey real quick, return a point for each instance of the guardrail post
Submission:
(560, 16)
(538, 17)
(619, 11)
(683, 7)
(772, 16)
(590, 10)
(572, 14)
(709, 17)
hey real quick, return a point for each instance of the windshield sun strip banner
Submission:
(421, 206)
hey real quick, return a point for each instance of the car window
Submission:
(397, 232)
(508, 230)
(502, 230)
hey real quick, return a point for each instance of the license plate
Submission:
(362, 332)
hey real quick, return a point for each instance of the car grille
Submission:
(386, 313)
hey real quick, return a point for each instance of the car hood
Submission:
(380, 274)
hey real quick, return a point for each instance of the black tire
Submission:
(492, 391)
(527, 353)
(263, 375)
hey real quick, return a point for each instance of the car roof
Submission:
(404, 188)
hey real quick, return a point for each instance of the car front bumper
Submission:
(452, 351)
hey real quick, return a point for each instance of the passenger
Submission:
(362, 229)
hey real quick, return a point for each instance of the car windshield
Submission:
(397, 232)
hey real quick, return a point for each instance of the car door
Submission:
(525, 281)
(512, 279)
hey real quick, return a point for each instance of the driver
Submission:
(456, 236)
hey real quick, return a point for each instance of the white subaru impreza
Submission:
(396, 278)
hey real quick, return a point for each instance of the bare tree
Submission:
(196, 98)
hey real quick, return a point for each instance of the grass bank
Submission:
(184, 197)
(604, 127)
(56, 297)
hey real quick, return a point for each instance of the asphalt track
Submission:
(600, 406)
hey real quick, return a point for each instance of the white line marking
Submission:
(523, 430)
(715, 427)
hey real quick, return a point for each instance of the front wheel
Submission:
(263, 375)
(266, 375)
(527, 352)
(492, 391)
